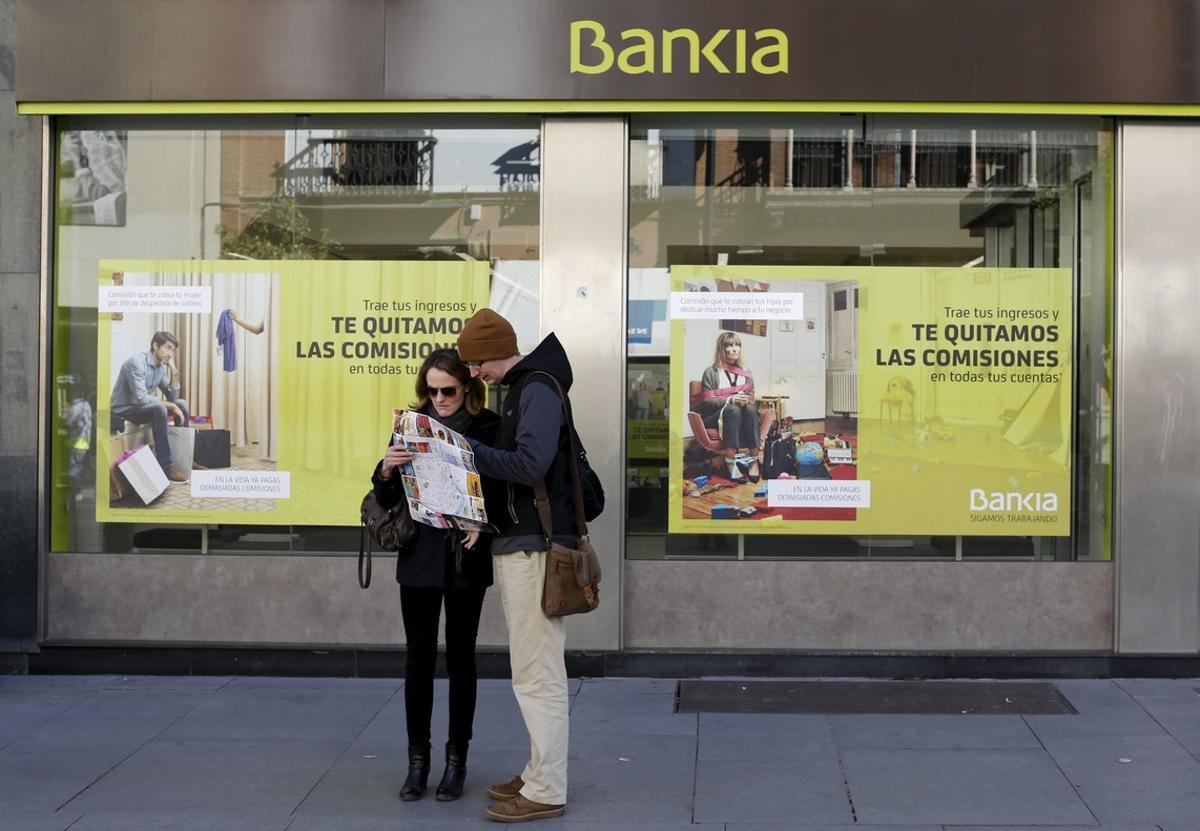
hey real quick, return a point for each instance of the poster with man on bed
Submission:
(868, 400)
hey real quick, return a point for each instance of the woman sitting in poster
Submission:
(447, 567)
(727, 403)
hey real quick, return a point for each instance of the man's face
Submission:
(165, 353)
(491, 371)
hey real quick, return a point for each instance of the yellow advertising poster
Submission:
(261, 392)
(845, 400)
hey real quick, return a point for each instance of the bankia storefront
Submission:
(880, 317)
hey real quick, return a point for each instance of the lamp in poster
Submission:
(261, 391)
(847, 400)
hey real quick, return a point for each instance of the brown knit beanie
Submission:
(487, 336)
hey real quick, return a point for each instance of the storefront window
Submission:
(458, 197)
(931, 378)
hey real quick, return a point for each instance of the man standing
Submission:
(533, 446)
(133, 399)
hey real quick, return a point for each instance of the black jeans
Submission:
(421, 608)
(740, 426)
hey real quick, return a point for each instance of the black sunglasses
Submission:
(445, 392)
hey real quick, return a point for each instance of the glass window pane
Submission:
(239, 189)
(915, 191)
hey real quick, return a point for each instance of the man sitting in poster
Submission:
(727, 403)
(133, 397)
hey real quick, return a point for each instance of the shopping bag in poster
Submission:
(144, 475)
(212, 448)
(182, 441)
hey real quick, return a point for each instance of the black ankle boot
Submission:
(451, 786)
(418, 773)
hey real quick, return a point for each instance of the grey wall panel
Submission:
(1158, 389)
(923, 607)
(584, 235)
(231, 599)
(8, 43)
(21, 189)
(20, 338)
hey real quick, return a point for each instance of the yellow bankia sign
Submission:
(288, 428)
(930, 401)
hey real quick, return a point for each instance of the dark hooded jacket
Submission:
(433, 560)
(533, 444)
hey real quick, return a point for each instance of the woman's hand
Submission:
(470, 538)
(395, 456)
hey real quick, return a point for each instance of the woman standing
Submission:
(727, 403)
(441, 566)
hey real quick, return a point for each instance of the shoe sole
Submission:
(547, 814)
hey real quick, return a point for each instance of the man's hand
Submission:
(395, 456)
(174, 411)
(470, 538)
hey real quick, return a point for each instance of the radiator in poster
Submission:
(263, 389)
(844, 400)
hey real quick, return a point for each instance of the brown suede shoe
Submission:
(520, 809)
(506, 790)
(175, 474)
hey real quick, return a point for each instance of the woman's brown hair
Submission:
(723, 340)
(447, 361)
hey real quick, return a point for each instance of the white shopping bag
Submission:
(142, 472)
(182, 441)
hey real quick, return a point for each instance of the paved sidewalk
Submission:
(107, 753)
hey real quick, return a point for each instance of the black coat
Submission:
(430, 561)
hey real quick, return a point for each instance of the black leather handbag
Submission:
(391, 529)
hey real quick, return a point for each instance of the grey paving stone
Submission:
(42, 775)
(801, 823)
(1174, 703)
(585, 724)
(970, 787)
(20, 820)
(569, 820)
(629, 686)
(755, 737)
(163, 683)
(283, 714)
(330, 684)
(1056, 828)
(166, 778)
(209, 820)
(932, 731)
(54, 682)
(1105, 709)
(1160, 785)
(122, 717)
(631, 779)
(25, 711)
(808, 791)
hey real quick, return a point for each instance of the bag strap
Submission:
(540, 498)
(364, 541)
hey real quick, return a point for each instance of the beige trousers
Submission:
(539, 673)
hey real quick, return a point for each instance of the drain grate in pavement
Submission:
(878, 697)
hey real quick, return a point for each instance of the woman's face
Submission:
(733, 351)
(440, 383)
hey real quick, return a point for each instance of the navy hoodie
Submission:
(532, 445)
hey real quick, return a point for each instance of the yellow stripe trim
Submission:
(569, 107)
